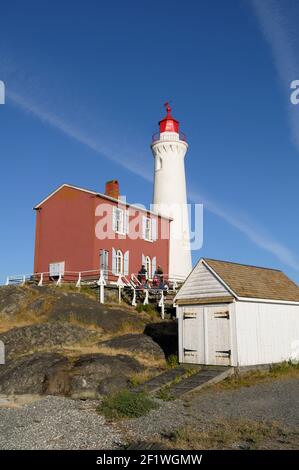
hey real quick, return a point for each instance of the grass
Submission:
(226, 435)
(284, 369)
(149, 309)
(139, 378)
(172, 361)
(126, 404)
(165, 394)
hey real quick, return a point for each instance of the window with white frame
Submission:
(147, 228)
(148, 266)
(120, 221)
(118, 216)
(119, 262)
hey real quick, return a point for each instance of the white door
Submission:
(218, 337)
(104, 262)
(193, 335)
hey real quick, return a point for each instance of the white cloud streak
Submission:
(256, 235)
(133, 165)
(74, 133)
(278, 21)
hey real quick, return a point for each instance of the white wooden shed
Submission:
(237, 315)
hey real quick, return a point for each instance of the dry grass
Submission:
(139, 378)
(283, 370)
(146, 360)
(229, 434)
(153, 365)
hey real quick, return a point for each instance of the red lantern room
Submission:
(169, 124)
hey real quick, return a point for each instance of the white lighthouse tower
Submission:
(169, 148)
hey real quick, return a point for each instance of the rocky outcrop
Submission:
(89, 376)
(19, 341)
(28, 374)
(99, 374)
(136, 343)
(11, 299)
(48, 355)
(91, 312)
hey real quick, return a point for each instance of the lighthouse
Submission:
(169, 148)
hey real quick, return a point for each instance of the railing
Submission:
(159, 284)
(172, 136)
(136, 280)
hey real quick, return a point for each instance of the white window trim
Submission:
(148, 263)
(119, 256)
(122, 230)
(145, 220)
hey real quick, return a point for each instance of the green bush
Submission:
(172, 361)
(164, 394)
(126, 404)
(148, 308)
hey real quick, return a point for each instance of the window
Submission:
(149, 229)
(104, 262)
(119, 262)
(148, 266)
(120, 220)
(55, 269)
(158, 163)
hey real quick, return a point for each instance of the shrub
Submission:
(126, 404)
(148, 308)
(172, 361)
(165, 394)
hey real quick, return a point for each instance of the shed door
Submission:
(193, 335)
(219, 341)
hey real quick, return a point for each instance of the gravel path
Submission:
(55, 423)
(270, 401)
(273, 400)
(61, 423)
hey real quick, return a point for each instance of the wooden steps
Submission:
(179, 383)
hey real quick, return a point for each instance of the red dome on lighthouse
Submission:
(169, 124)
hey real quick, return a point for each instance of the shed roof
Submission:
(255, 282)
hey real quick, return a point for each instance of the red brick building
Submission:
(78, 230)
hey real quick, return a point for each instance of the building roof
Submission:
(254, 282)
(119, 201)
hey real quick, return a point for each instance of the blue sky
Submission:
(85, 85)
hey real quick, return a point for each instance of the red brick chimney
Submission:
(112, 189)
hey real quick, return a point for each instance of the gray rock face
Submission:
(89, 311)
(21, 340)
(28, 374)
(90, 376)
(136, 343)
(97, 374)
(10, 299)
(50, 303)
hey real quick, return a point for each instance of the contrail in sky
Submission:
(278, 21)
